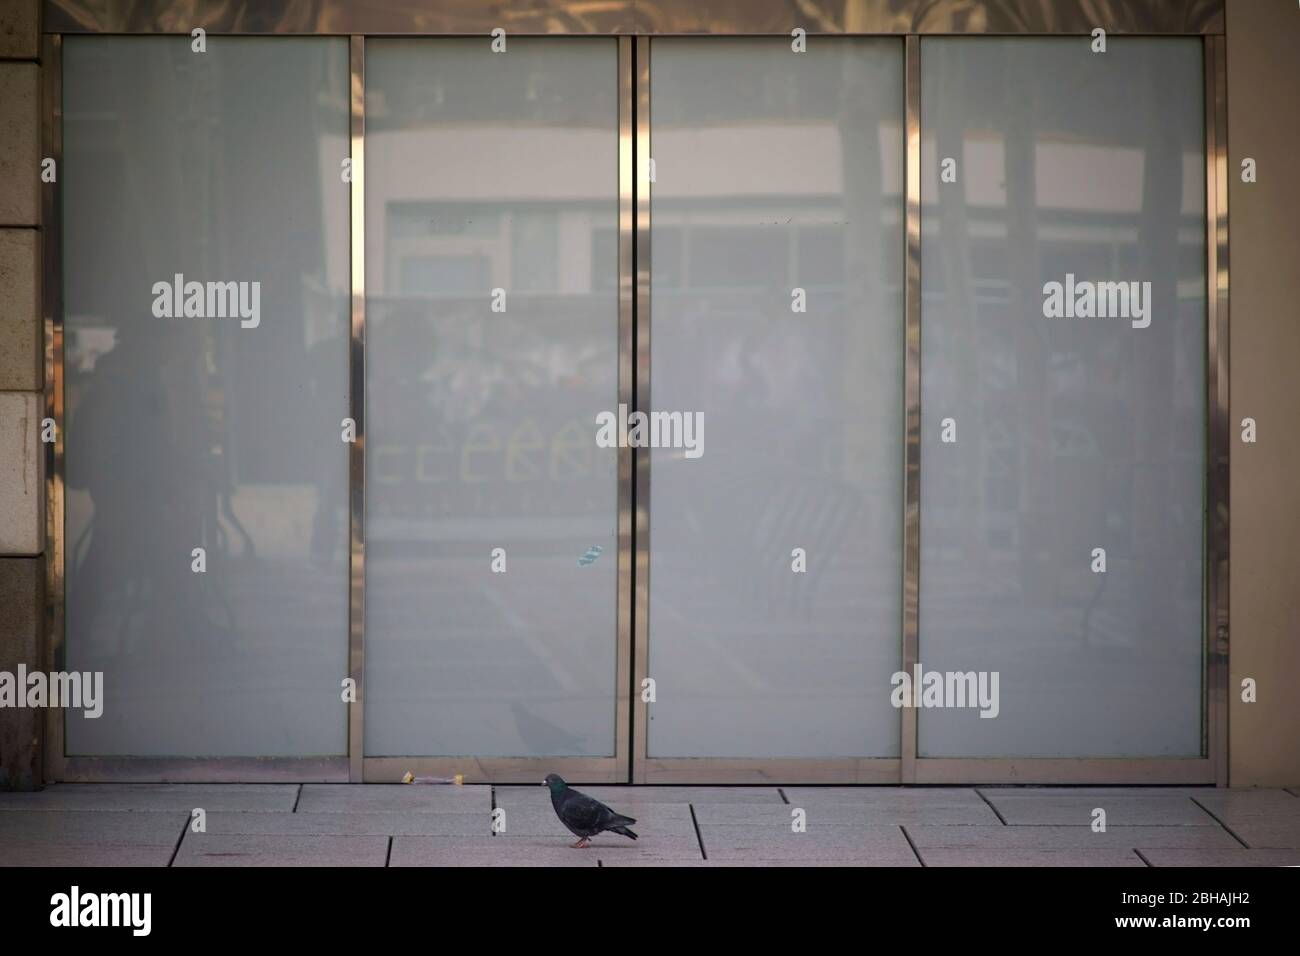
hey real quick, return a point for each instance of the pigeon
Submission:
(584, 816)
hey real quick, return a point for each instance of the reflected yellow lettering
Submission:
(482, 439)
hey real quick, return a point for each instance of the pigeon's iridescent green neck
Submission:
(555, 784)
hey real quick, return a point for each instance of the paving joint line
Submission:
(179, 840)
(908, 837)
(699, 838)
(1220, 822)
(980, 794)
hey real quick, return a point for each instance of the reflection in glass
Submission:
(1072, 433)
(777, 171)
(490, 172)
(199, 432)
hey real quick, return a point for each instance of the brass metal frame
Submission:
(204, 770)
(736, 770)
(636, 17)
(614, 768)
(641, 626)
(628, 240)
(1218, 423)
(634, 22)
(1212, 766)
(1187, 771)
(59, 766)
(912, 396)
(357, 410)
(52, 319)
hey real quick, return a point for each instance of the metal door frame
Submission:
(634, 22)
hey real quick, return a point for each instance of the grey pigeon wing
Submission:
(584, 815)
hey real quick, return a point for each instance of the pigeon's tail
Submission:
(619, 824)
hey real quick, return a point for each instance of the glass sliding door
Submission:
(205, 340)
(645, 337)
(776, 251)
(1063, 393)
(492, 192)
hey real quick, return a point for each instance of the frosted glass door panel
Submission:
(777, 316)
(206, 419)
(1077, 408)
(492, 346)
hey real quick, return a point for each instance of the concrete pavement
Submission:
(395, 825)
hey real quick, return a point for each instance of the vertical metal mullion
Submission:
(357, 394)
(641, 393)
(626, 371)
(1218, 440)
(912, 399)
(52, 320)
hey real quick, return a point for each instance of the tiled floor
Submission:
(373, 825)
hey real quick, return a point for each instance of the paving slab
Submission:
(1238, 857)
(678, 841)
(518, 798)
(640, 796)
(539, 801)
(1072, 837)
(963, 856)
(90, 828)
(881, 845)
(649, 808)
(1036, 809)
(343, 825)
(1250, 806)
(1262, 833)
(777, 817)
(620, 862)
(489, 851)
(696, 796)
(764, 863)
(208, 849)
(378, 823)
(654, 850)
(650, 853)
(657, 820)
(404, 798)
(79, 856)
(887, 799)
(843, 856)
(143, 797)
(846, 814)
(1119, 790)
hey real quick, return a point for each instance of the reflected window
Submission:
(774, 173)
(1079, 440)
(206, 482)
(492, 337)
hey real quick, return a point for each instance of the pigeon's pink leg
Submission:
(581, 844)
